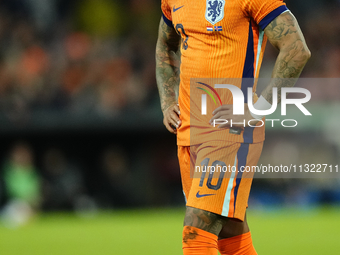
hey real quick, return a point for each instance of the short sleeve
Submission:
(263, 11)
(166, 10)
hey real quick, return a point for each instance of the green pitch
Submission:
(156, 231)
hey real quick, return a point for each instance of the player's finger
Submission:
(174, 123)
(222, 108)
(223, 111)
(170, 129)
(175, 118)
(222, 114)
(172, 120)
(177, 110)
(168, 126)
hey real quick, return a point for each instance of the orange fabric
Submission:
(238, 245)
(198, 242)
(222, 196)
(216, 54)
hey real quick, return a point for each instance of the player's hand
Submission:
(171, 118)
(225, 112)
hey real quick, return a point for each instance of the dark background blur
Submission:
(80, 120)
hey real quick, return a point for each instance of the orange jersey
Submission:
(220, 39)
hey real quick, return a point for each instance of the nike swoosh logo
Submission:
(198, 195)
(176, 9)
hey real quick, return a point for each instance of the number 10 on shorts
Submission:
(217, 166)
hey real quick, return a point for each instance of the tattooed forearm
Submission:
(167, 65)
(284, 34)
(204, 220)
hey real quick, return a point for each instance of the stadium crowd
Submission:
(98, 56)
(89, 57)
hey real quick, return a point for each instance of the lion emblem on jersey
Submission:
(214, 11)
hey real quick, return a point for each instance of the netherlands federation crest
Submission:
(214, 11)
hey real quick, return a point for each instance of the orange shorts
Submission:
(214, 176)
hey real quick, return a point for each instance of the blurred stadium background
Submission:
(85, 161)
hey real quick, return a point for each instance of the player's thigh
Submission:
(216, 224)
(233, 227)
(212, 177)
(220, 185)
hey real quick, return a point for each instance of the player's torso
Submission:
(214, 37)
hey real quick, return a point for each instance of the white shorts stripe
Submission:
(225, 210)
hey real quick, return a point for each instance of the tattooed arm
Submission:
(284, 34)
(167, 74)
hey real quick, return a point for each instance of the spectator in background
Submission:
(63, 183)
(22, 186)
(117, 188)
